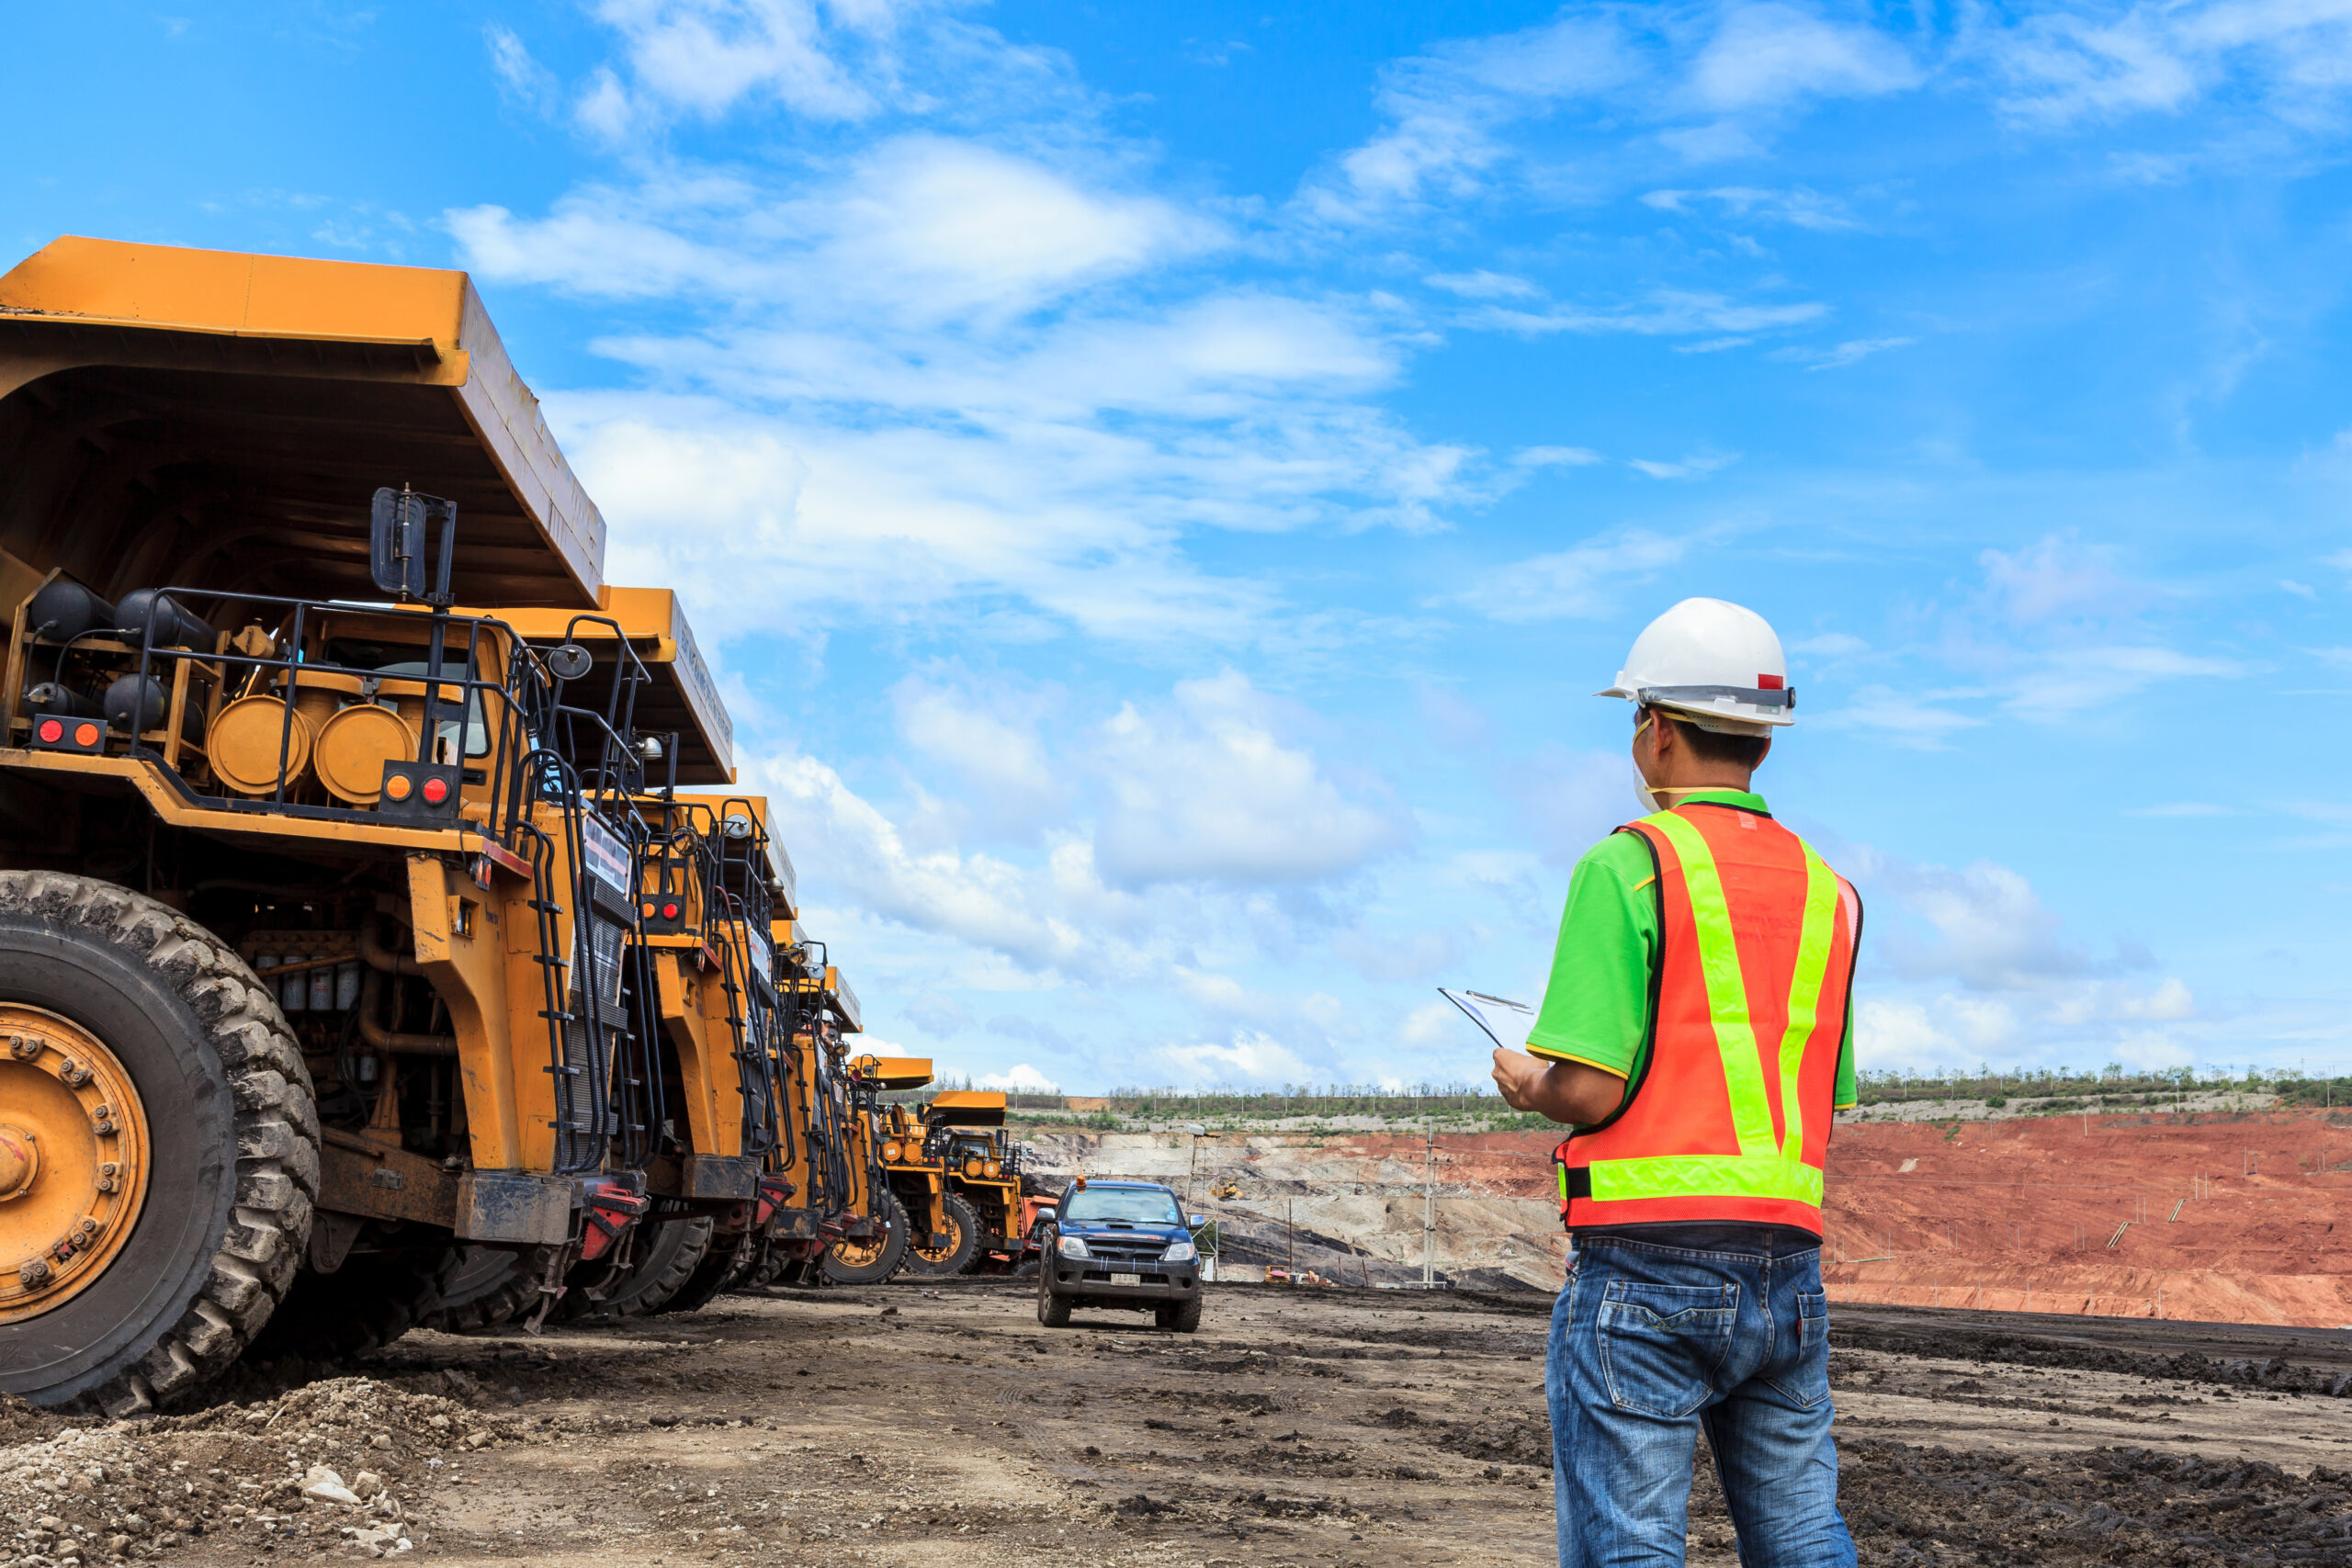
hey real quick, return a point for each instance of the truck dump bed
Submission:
(215, 420)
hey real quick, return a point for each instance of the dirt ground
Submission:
(920, 1424)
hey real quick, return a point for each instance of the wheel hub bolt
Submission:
(18, 1162)
(74, 1072)
(34, 1274)
(24, 1047)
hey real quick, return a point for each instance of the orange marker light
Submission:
(85, 734)
(397, 787)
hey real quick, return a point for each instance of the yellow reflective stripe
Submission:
(1804, 993)
(1751, 1112)
(1705, 1175)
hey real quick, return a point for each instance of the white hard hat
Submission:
(1715, 663)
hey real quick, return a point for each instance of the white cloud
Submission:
(1799, 207)
(704, 56)
(1203, 789)
(1983, 924)
(1911, 716)
(991, 742)
(2174, 808)
(1853, 351)
(1574, 583)
(1766, 55)
(2284, 58)
(1020, 1079)
(1248, 1057)
(1830, 645)
(2299, 590)
(1447, 111)
(1556, 457)
(2058, 576)
(521, 77)
(1697, 466)
(1665, 312)
(1483, 284)
(2075, 680)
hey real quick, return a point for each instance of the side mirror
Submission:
(398, 549)
(1195, 1221)
(570, 662)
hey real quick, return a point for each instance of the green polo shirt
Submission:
(1597, 1009)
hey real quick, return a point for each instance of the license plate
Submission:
(1127, 1278)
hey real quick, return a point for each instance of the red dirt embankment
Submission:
(2018, 1215)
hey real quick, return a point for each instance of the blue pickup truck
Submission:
(1120, 1244)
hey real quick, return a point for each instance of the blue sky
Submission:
(1160, 480)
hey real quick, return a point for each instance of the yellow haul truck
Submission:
(941, 1232)
(964, 1131)
(322, 958)
(917, 1166)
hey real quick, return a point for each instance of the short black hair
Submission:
(1714, 746)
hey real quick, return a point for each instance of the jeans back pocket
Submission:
(1802, 1370)
(1661, 1345)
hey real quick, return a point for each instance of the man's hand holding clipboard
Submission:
(1568, 1092)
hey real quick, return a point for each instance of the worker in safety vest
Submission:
(1696, 1036)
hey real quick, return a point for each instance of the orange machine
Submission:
(324, 970)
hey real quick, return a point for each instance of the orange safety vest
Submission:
(1729, 1118)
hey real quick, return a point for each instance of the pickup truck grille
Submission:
(1142, 1250)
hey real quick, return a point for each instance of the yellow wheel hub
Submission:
(74, 1161)
(857, 1252)
(954, 1234)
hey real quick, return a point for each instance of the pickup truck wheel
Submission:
(1053, 1311)
(1183, 1317)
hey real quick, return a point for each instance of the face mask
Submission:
(1651, 804)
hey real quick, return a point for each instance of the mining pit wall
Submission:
(2215, 1217)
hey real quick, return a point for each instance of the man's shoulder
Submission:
(1624, 856)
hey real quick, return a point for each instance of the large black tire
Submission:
(233, 1136)
(725, 1259)
(369, 1301)
(963, 1243)
(667, 1257)
(884, 1261)
(1053, 1311)
(490, 1286)
(1184, 1317)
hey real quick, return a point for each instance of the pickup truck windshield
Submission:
(1110, 1203)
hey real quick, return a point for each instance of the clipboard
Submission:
(1489, 1012)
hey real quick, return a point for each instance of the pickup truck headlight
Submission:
(1182, 1252)
(1071, 1246)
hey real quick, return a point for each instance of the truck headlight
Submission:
(1071, 1246)
(1182, 1252)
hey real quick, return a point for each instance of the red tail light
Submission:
(436, 791)
(52, 732)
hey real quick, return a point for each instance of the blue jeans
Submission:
(1649, 1344)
